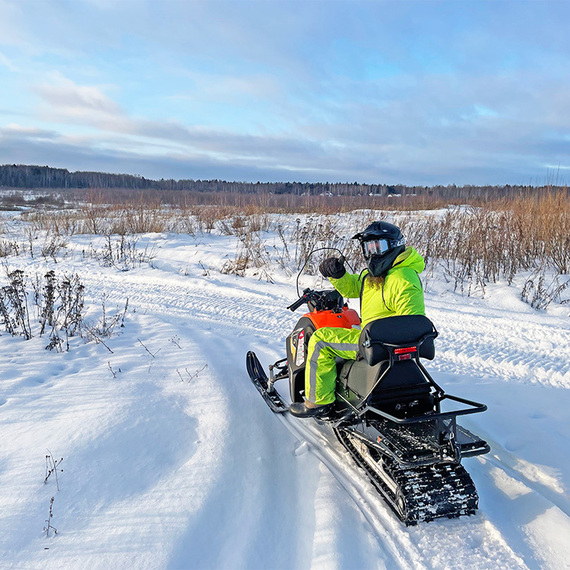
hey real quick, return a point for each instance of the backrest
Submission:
(404, 330)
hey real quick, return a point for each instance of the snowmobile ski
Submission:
(261, 382)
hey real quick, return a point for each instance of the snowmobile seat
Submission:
(403, 330)
(403, 390)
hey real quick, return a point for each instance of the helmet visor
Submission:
(376, 247)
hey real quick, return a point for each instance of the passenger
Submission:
(390, 286)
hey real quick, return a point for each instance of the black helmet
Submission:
(381, 243)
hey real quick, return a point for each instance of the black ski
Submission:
(260, 381)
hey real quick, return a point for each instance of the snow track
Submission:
(174, 464)
(502, 344)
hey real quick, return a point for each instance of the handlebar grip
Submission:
(294, 306)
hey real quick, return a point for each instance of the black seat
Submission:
(405, 330)
(404, 390)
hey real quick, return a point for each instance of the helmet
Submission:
(381, 243)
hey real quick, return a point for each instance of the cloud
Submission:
(413, 92)
(24, 148)
(66, 100)
(410, 129)
(124, 156)
(19, 132)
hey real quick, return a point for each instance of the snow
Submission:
(172, 460)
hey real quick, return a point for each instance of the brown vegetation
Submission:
(472, 244)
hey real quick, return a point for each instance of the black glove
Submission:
(332, 267)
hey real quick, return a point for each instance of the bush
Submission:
(58, 302)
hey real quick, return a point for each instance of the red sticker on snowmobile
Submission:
(300, 358)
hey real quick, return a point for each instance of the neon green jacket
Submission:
(401, 293)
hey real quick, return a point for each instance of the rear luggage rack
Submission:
(475, 408)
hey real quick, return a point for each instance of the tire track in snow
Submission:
(378, 516)
(235, 498)
(532, 476)
(207, 304)
(232, 506)
(509, 346)
(528, 511)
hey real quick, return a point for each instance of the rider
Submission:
(390, 286)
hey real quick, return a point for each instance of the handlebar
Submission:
(310, 296)
(294, 306)
(307, 295)
(319, 300)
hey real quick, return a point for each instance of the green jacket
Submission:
(400, 294)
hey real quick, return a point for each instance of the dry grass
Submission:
(472, 244)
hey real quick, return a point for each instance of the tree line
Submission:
(46, 177)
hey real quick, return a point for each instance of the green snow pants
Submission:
(325, 345)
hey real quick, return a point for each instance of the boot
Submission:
(307, 409)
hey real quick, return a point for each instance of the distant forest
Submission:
(40, 177)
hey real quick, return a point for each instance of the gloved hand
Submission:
(332, 267)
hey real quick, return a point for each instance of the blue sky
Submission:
(401, 91)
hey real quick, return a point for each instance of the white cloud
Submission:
(16, 131)
(66, 99)
(420, 136)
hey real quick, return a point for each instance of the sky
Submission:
(382, 92)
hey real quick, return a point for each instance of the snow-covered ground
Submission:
(172, 460)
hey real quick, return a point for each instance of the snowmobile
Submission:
(389, 414)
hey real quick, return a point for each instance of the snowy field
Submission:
(172, 460)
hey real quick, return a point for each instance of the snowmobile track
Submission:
(406, 545)
(422, 494)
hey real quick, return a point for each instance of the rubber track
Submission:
(424, 493)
